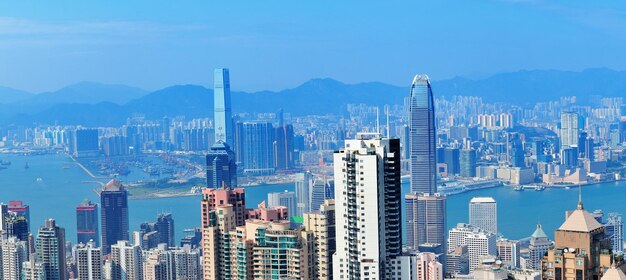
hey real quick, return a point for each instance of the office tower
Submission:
(479, 243)
(255, 147)
(126, 261)
(569, 129)
(422, 136)
(165, 227)
(50, 244)
(422, 266)
(113, 146)
(20, 209)
(181, 262)
(85, 143)
(581, 250)
(114, 203)
(538, 246)
(589, 151)
(483, 214)
(193, 240)
(457, 260)
(614, 230)
(286, 199)
(322, 224)
(88, 261)
(87, 222)
(223, 121)
(15, 225)
(452, 160)
(509, 252)
(284, 147)
(221, 167)
(14, 253)
(211, 198)
(367, 185)
(329, 189)
(569, 156)
(318, 194)
(425, 219)
(468, 163)
(33, 269)
(304, 185)
(4, 213)
(516, 154)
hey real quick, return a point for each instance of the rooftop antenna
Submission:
(580, 198)
(377, 120)
(387, 113)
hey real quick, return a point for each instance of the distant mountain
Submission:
(9, 95)
(95, 104)
(529, 87)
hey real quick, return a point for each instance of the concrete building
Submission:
(509, 253)
(368, 187)
(88, 261)
(322, 224)
(50, 246)
(33, 269)
(569, 129)
(457, 261)
(304, 186)
(539, 244)
(425, 219)
(422, 266)
(126, 261)
(87, 222)
(479, 243)
(286, 199)
(483, 213)
(14, 253)
(581, 249)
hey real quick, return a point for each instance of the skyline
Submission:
(152, 46)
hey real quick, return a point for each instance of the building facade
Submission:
(114, 216)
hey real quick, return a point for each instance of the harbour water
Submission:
(53, 185)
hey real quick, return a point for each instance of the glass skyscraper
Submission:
(114, 203)
(422, 137)
(223, 114)
(87, 222)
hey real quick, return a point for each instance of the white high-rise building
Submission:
(423, 266)
(368, 197)
(88, 261)
(569, 129)
(33, 269)
(304, 185)
(126, 261)
(479, 243)
(483, 213)
(14, 253)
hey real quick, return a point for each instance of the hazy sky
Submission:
(278, 44)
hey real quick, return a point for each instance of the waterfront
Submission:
(63, 185)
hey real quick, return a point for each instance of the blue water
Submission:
(60, 190)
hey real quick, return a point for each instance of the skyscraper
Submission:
(284, 146)
(422, 136)
(221, 166)
(20, 209)
(165, 227)
(483, 213)
(255, 147)
(114, 203)
(14, 253)
(569, 129)
(425, 220)
(87, 222)
(318, 193)
(509, 252)
(88, 261)
(468, 163)
(126, 261)
(50, 244)
(615, 232)
(222, 109)
(322, 224)
(304, 185)
(538, 245)
(368, 188)
(286, 198)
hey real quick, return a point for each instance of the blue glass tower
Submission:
(222, 110)
(422, 137)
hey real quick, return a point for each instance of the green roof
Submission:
(539, 233)
(297, 219)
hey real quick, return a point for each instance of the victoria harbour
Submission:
(53, 185)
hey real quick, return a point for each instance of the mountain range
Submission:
(94, 104)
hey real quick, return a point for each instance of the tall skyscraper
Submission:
(15, 225)
(483, 213)
(165, 227)
(304, 185)
(14, 253)
(87, 222)
(468, 163)
(88, 261)
(538, 245)
(318, 193)
(223, 121)
(422, 137)
(50, 244)
(425, 220)
(284, 146)
(221, 166)
(126, 261)
(114, 203)
(615, 231)
(287, 199)
(85, 143)
(368, 188)
(569, 129)
(581, 249)
(255, 147)
(20, 209)
(516, 154)
(322, 224)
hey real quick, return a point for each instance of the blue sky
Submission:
(279, 44)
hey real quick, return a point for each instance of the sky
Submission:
(272, 45)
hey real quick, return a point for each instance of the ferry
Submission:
(518, 188)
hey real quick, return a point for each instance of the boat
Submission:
(567, 188)
(540, 188)
(518, 188)
(39, 180)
